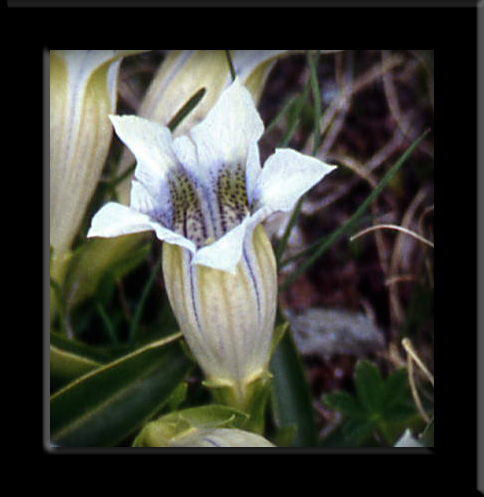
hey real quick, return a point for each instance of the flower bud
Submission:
(83, 87)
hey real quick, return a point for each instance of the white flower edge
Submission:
(285, 177)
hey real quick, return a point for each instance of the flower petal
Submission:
(226, 252)
(151, 144)
(285, 177)
(116, 219)
(223, 138)
(157, 208)
(186, 153)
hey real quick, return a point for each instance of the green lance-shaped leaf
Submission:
(109, 403)
(290, 396)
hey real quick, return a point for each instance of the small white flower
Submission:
(204, 194)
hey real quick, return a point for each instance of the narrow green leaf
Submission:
(230, 63)
(313, 78)
(293, 116)
(77, 348)
(284, 436)
(66, 366)
(281, 246)
(186, 109)
(108, 324)
(286, 108)
(290, 395)
(109, 403)
(70, 359)
(141, 303)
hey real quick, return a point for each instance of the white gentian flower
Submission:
(205, 195)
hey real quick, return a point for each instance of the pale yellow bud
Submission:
(83, 87)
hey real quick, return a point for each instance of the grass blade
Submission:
(142, 301)
(186, 109)
(230, 63)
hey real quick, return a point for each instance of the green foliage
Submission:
(70, 359)
(95, 266)
(379, 406)
(107, 404)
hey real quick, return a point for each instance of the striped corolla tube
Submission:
(205, 195)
